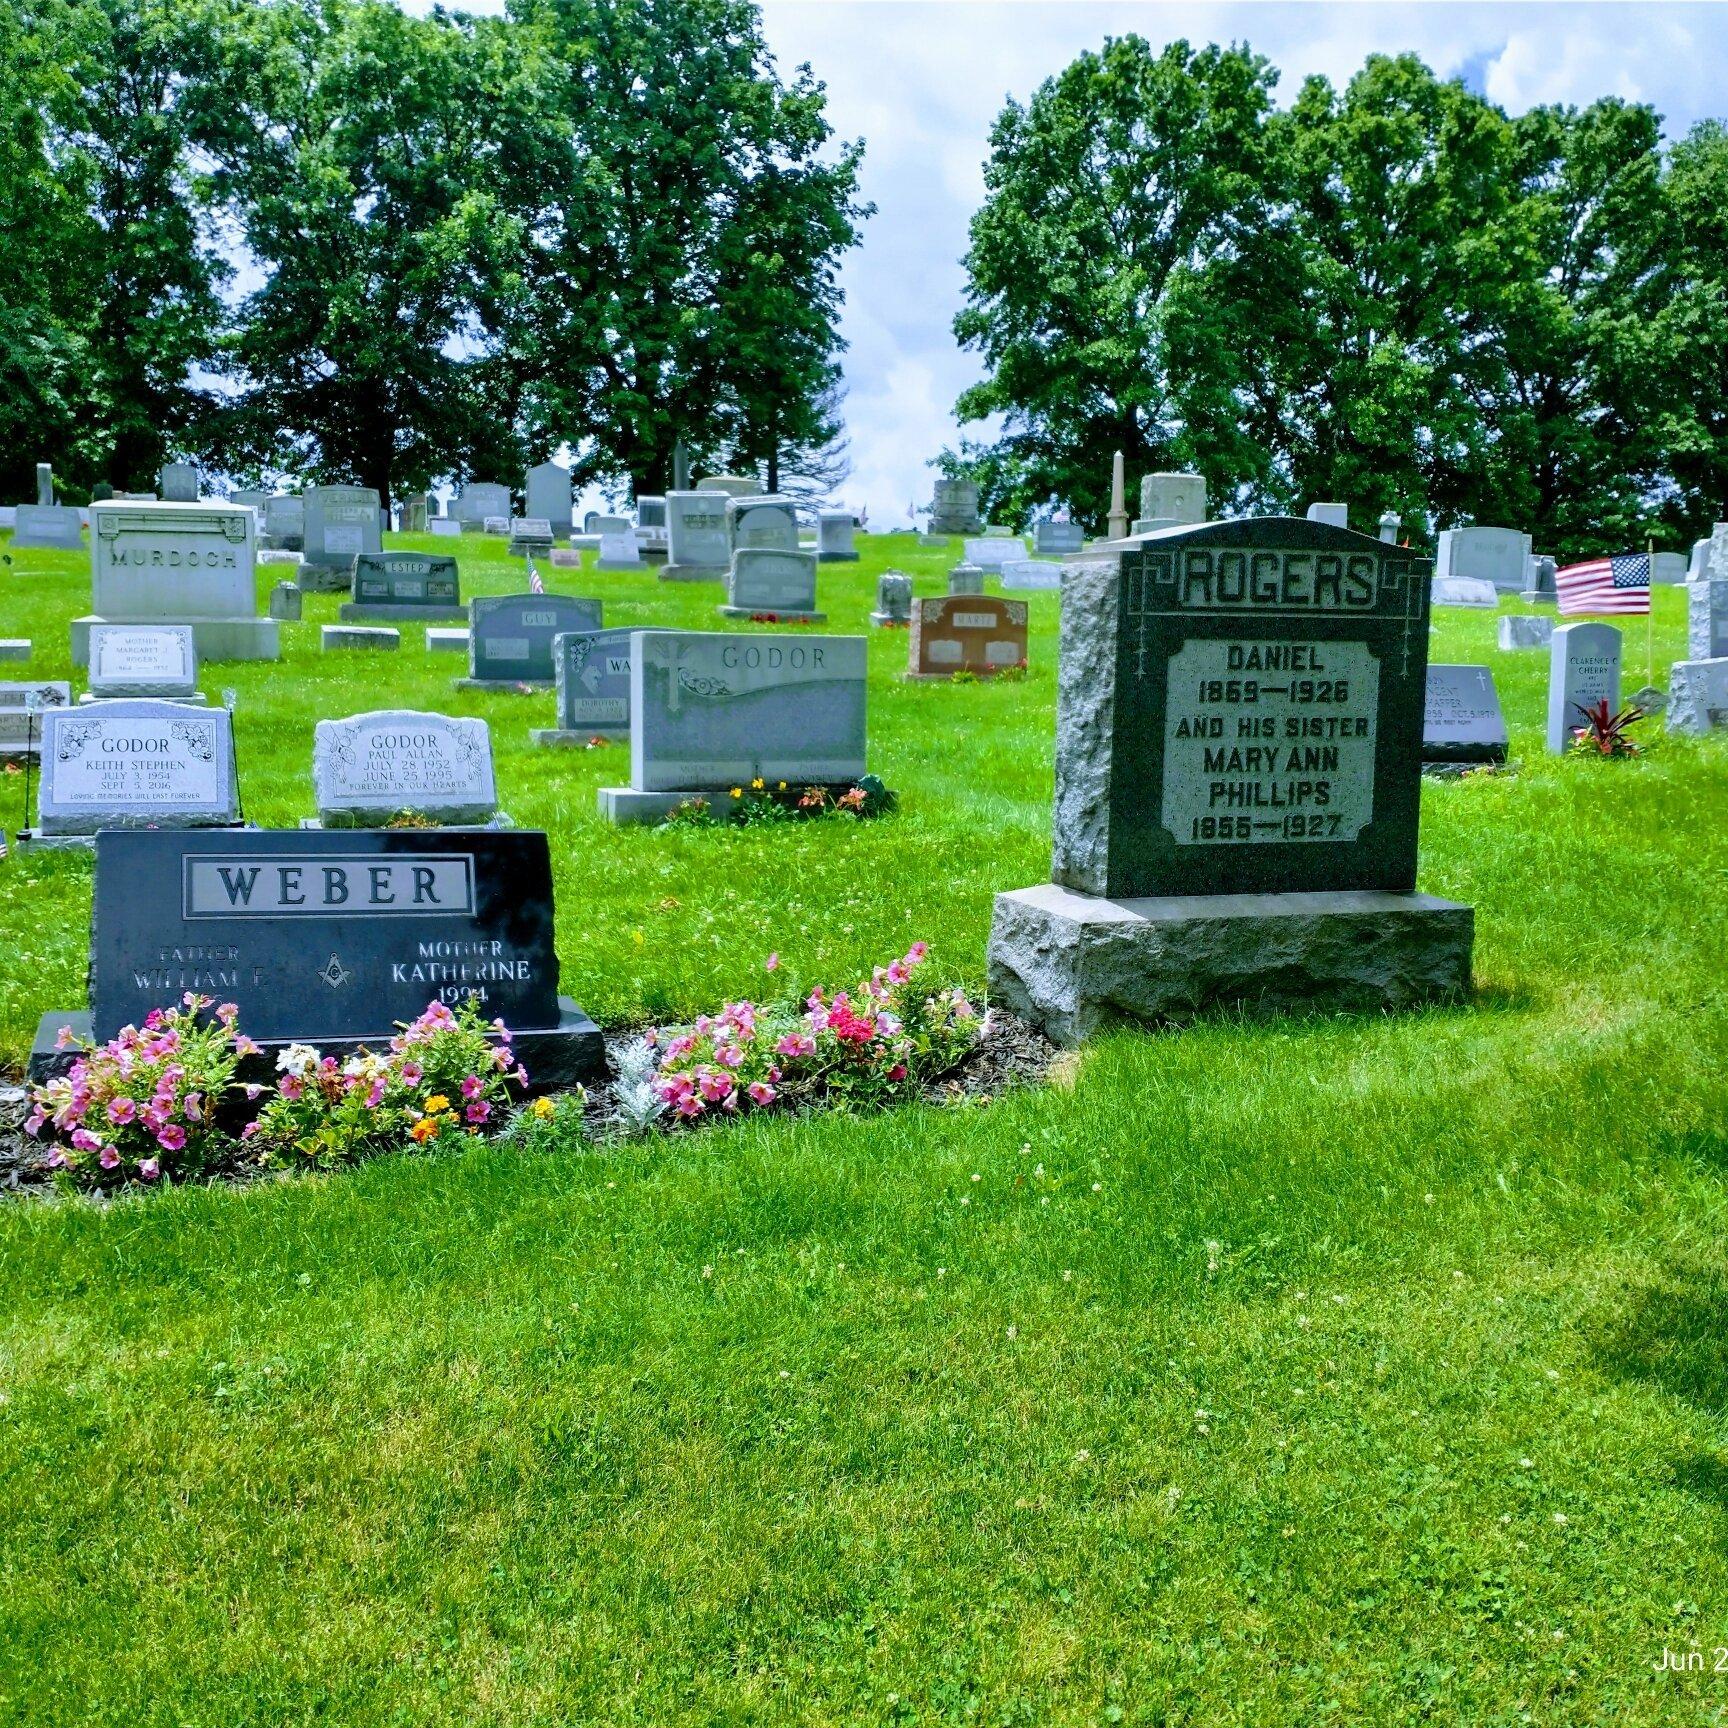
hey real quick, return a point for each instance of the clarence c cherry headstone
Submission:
(1238, 772)
(1583, 669)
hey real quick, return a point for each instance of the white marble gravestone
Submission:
(369, 768)
(1707, 618)
(1031, 573)
(619, 551)
(834, 543)
(713, 710)
(156, 660)
(1583, 669)
(136, 764)
(178, 564)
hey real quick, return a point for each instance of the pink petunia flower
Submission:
(412, 1073)
(760, 1092)
(63, 1039)
(122, 1110)
(171, 1137)
(149, 1168)
(477, 1111)
(473, 1086)
(772, 963)
(108, 1158)
(690, 1106)
(84, 1140)
(898, 1071)
(194, 1107)
(730, 1055)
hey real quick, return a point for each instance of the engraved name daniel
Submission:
(416, 884)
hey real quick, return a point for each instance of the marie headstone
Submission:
(954, 508)
(177, 483)
(406, 587)
(993, 554)
(510, 635)
(284, 522)
(331, 938)
(834, 543)
(546, 493)
(1174, 499)
(136, 764)
(145, 660)
(340, 525)
(965, 579)
(1520, 631)
(697, 548)
(1497, 556)
(714, 710)
(893, 599)
(21, 709)
(1707, 618)
(478, 500)
(1057, 539)
(1461, 718)
(370, 768)
(1337, 514)
(593, 668)
(178, 564)
(977, 634)
(1698, 696)
(1473, 591)
(767, 581)
(47, 528)
(1583, 669)
(1238, 770)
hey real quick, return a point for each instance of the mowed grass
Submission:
(1359, 1370)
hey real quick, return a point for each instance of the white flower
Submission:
(298, 1059)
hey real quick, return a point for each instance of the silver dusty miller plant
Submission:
(639, 1106)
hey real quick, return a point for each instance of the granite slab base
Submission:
(670, 572)
(196, 700)
(836, 557)
(358, 638)
(625, 807)
(317, 824)
(368, 612)
(778, 613)
(15, 648)
(1071, 963)
(560, 738)
(324, 579)
(446, 641)
(572, 1053)
(505, 684)
(216, 638)
(28, 839)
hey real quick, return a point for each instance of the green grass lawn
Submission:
(1357, 1371)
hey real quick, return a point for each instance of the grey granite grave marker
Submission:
(1057, 538)
(893, 599)
(15, 647)
(478, 500)
(714, 710)
(285, 522)
(1238, 764)
(1583, 669)
(1031, 573)
(993, 554)
(287, 605)
(965, 579)
(369, 768)
(954, 508)
(696, 545)
(510, 635)
(766, 522)
(408, 587)
(546, 494)
(136, 764)
(22, 706)
(619, 551)
(1518, 631)
(340, 524)
(834, 544)
(530, 537)
(177, 483)
(1178, 500)
(1336, 514)
(145, 660)
(358, 639)
(1497, 556)
(47, 528)
(777, 582)
(1461, 718)
(593, 683)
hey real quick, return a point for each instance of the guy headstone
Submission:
(697, 546)
(713, 710)
(979, 634)
(369, 768)
(21, 709)
(340, 525)
(1461, 718)
(781, 583)
(546, 491)
(1178, 499)
(1497, 556)
(412, 587)
(136, 764)
(147, 660)
(178, 564)
(177, 483)
(1238, 770)
(954, 508)
(330, 938)
(893, 599)
(1583, 669)
(510, 635)
(1057, 539)
(834, 544)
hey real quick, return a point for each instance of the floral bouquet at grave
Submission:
(146, 1104)
(865, 1046)
(1604, 733)
(782, 802)
(446, 1075)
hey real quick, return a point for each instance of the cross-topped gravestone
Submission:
(414, 587)
(1238, 771)
(510, 635)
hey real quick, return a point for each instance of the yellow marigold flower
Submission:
(424, 1129)
(757, 784)
(542, 1107)
(782, 785)
(436, 1103)
(737, 791)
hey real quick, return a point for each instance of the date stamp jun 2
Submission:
(1710, 1660)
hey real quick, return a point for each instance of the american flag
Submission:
(1605, 585)
(535, 585)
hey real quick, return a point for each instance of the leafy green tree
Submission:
(685, 232)
(361, 161)
(1120, 200)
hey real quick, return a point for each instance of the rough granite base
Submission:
(196, 700)
(381, 612)
(778, 613)
(325, 579)
(1070, 963)
(216, 638)
(571, 1053)
(561, 738)
(504, 684)
(625, 807)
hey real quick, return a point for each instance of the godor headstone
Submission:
(368, 768)
(979, 634)
(1238, 770)
(713, 710)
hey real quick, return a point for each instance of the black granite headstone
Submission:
(1243, 714)
(510, 635)
(323, 937)
(405, 579)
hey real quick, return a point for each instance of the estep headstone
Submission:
(370, 768)
(407, 587)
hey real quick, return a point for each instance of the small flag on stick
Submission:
(535, 585)
(1605, 585)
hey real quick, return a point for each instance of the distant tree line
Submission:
(330, 241)
(1391, 295)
